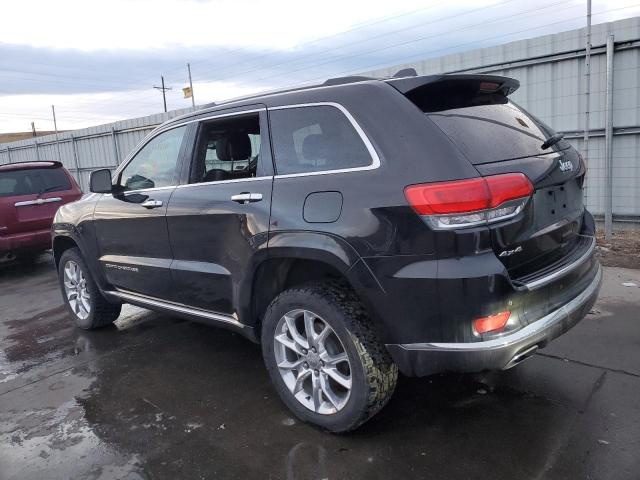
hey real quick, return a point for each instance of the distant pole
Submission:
(193, 100)
(608, 186)
(587, 89)
(163, 89)
(33, 128)
(55, 127)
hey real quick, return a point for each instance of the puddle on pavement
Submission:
(52, 437)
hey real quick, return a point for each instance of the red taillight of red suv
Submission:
(475, 201)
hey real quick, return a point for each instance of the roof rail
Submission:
(345, 80)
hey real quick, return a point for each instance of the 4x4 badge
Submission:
(508, 253)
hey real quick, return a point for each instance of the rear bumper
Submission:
(38, 240)
(420, 359)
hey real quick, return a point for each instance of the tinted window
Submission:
(156, 164)
(491, 133)
(313, 139)
(33, 181)
(228, 149)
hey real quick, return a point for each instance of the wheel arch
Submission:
(304, 258)
(66, 236)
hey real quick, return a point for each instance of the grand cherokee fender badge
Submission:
(508, 253)
(565, 166)
(122, 267)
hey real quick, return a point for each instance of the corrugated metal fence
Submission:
(551, 73)
(82, 151)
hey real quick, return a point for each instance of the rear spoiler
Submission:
(486, 83)
(30, 164)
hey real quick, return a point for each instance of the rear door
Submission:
(219, 222)
(131, 225)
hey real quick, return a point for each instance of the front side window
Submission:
(315, 139)
(155, 165)
(228, 149)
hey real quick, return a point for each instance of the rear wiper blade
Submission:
(49, 189)
(552, 140)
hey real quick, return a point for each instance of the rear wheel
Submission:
(81, 294)
(324, 357)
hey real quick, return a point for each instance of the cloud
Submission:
(98, 62)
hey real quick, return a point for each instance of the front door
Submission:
(219, 222)
(131, 225)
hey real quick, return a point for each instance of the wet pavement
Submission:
(159, 397)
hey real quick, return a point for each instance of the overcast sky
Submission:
(98, 61)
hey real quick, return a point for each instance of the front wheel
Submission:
(81, 295)
(325, 358)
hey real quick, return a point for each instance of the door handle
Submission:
(152, 204)
(246, 197)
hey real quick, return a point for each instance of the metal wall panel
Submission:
(94, 146)
(551, 74)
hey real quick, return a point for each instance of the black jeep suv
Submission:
(353, 229)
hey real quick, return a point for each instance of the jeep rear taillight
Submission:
(465, 203)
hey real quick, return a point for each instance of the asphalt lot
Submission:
(159, 397)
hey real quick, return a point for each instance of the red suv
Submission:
(30, 194)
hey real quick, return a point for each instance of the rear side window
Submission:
(315, 139)
(33, 181)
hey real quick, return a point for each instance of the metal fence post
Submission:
(608, 186)
(75, 159)
(37, 150)
(9, 155)
(115, 146)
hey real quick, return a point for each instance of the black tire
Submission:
(373, 373)
(101, 312)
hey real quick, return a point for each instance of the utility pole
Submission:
(33, 129)
(55, 127)
(193, 100)
(164, 96)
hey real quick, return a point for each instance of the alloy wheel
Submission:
(75, 287)
(312, 361)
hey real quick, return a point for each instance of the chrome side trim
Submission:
(39, 201)
(142, 190)
(375, 159)
(153, 302)
(233, 180)
(531, 330)
(541, 282)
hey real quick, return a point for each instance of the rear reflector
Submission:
(492, 323)
(470, 202)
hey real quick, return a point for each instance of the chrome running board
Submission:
(196, 314)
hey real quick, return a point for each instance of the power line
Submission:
(425, 55)
(332, 59)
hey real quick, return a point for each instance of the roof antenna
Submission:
(406, 72)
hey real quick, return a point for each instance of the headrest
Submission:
(315, 147)
(234, 146)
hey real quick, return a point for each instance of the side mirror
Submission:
(100, 181)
